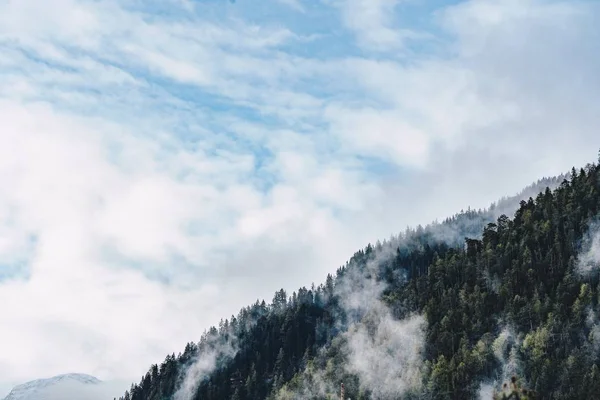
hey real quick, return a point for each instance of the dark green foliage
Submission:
(471, 276)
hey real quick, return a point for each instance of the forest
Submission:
(446, 311)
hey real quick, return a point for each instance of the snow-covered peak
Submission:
(46, 389)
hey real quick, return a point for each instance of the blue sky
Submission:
(175, 160)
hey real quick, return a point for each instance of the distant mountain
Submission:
(63, 387)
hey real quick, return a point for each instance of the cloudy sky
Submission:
(165, 162)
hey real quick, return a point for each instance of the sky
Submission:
(165, 163)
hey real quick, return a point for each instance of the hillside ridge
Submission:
(479, 295)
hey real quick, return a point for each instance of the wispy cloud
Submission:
(374, 23)
(589, 258)
(201, 367)
(164, 163)
(384, 352)
(295, 4)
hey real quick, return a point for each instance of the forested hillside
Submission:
(448, 311)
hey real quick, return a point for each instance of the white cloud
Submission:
(381, 134)
(588, 259)
(248, 175)
(373, 23)
(294, 4)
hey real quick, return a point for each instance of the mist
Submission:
(506, 348)
(377, 352)
(384, 352)
(388, 359)
(589, 257)
(202, 366)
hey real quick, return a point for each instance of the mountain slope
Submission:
(428, 315)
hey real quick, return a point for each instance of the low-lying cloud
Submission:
(588, 259)
(202, 366)
(384, 352)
